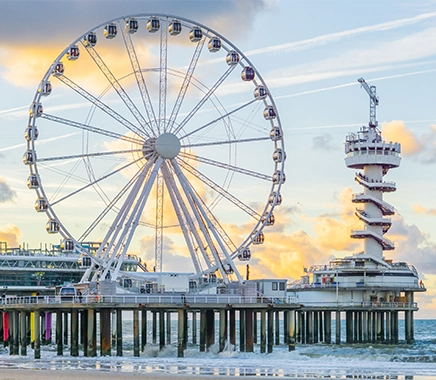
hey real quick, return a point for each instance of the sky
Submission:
(310, 55)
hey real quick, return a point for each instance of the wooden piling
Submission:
(84, 330)
(327, 327)
(136, 333)
(59, 333)
(270, 340)
(222, 329)
(210, 328)
(277, 328)
(249, 343)
(92, 349)
(315, 326)
(161, 329)
(168, 327)
(119, 332)
(202, 330)
(65, 314)
(37, 342)
(23, 333)
(232, 327)
(143, 329)
(181, 332)
(338, 327)
(154, 327)
(262, 331)
(290, 328)
(242, 330)
(74, 333)
(105, 328)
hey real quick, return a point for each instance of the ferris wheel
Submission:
(156, 136)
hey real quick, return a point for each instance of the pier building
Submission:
(370, 289)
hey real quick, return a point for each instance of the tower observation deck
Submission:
(373, 157)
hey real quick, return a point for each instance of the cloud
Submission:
(412, 246)
(423, 147)
(323, 142)
(48, 27)
(284, 254)
(397, 131)
(6, 193)
(10, 234)
(418, 209)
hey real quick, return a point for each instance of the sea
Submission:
(332, 361)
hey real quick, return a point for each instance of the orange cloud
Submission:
(334, 231)
(26, 65)
(10, 234)
(418, 209)
(397, 131)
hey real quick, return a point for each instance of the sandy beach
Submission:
(37, 374)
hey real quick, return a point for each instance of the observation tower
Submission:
(373, 157)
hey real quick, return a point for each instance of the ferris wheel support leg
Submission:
(119, 221)
(208, 260)
(180, 218)
(115, 223)
(191, 194)
(137, 212)
(202, 226)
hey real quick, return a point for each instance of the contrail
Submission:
(14, 109)
(39, 141)
(332, 37)
(354, 83)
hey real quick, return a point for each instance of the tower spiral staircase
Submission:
(367, 152)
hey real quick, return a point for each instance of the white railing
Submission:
(143, 299)
(361, 284)
(348, 304)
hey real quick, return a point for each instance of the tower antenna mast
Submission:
(373, 102)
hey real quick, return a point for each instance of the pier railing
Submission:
(297, 285)
(360, 305)
(144, 299)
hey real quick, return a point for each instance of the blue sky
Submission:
(310, 54)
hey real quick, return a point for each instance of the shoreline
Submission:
(80, 374)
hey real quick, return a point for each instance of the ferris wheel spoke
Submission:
(132, 223)
(225, 142)
(202, 225)
(109, 206)
(218, 119)
(163, 76)
(159, 222)
(218, 189)
(88, 155)
(190, 193)
(204, 99)
(109, 246)
(96, 181)
(185, 84)
(136, 66)
(227, 166)
(118, 88)
(98, 103)
(209, 259)
(89, 128)
(226, 238)
(182, 216)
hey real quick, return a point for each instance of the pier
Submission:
(364, 323)
(96, 323)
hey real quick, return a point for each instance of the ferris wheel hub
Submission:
(168, 145)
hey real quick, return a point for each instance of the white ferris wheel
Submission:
(154, 134)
